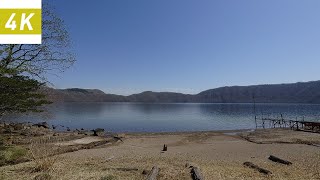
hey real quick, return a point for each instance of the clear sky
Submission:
(129, 46)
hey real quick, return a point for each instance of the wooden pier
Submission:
(308, 126)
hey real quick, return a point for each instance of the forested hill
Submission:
(307, 92)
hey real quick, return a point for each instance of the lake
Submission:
(141, 117)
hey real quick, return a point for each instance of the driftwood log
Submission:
(278, 160)
(196, 173)
(255, 167)
(153, 174)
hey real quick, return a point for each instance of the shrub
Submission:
(11, 155)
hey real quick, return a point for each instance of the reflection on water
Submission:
(131, 117)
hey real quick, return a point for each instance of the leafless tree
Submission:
(24, 67)
(54, 55)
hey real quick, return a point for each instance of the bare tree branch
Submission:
(54, 55)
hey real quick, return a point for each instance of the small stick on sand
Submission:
(153, 174)
(253, 166)
(278, 160)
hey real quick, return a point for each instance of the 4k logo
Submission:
(11, 24)
(20, 21)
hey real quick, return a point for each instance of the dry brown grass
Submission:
(12, 155)
(315, 167)
(43, 157)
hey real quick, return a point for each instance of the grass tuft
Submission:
(42, 157)
(43, 176)
(108, 177)
(11, 154)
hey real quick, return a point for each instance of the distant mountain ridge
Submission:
(302, 92)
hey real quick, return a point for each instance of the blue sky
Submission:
(129, 46)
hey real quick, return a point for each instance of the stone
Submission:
(18, 126)
(42, 124)
(98, 131)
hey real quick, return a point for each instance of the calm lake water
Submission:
(139, 117)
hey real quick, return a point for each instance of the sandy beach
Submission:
(219, 155)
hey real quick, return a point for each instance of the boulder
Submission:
(42, 124)
(18, 126)
(98, 132)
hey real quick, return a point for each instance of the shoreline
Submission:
(188, 132)
(63, 129)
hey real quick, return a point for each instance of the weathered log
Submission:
(153, 174)
(255, 167)
(278, 160)
(196, 173)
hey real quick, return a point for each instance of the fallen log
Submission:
(278, 160)
(153, 174)
(196, 173)
(255, 167)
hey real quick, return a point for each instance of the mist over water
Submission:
(141, 117)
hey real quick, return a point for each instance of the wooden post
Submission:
(255, 120)
(153, 174)
(274, 123)
(165, 148)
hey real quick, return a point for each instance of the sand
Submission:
(85, 140)
(219, 155)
